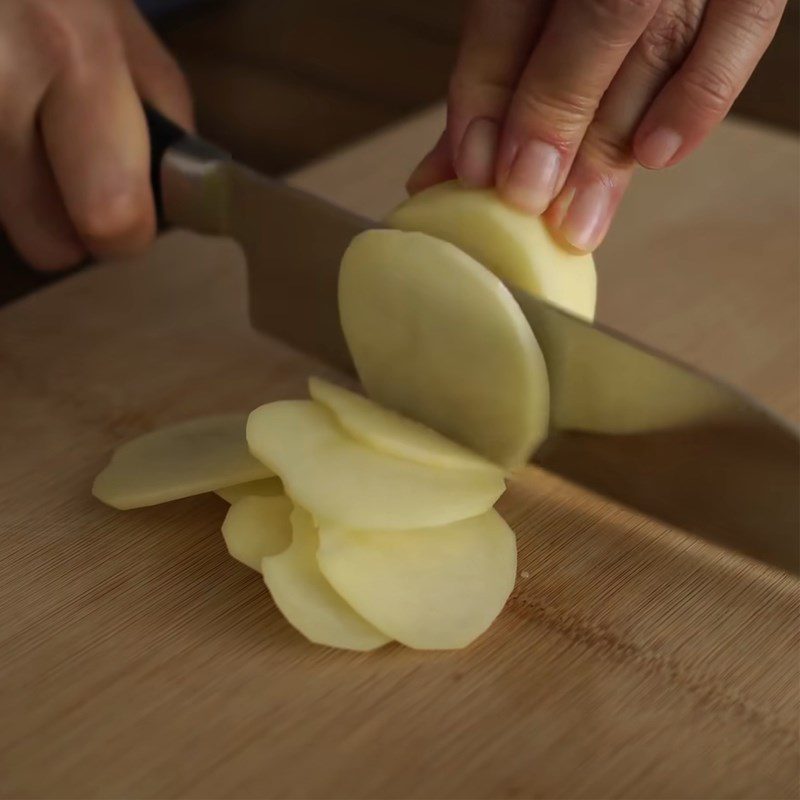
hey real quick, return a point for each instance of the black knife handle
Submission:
(188, 177)
(163, 134)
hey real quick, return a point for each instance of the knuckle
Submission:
(667, 40)
(615, 17)
(66, 32)
(52, 31)
(484, 93)
(763, 14)
(564, 115)
(608, 149)
(616, 9)
(709, 88)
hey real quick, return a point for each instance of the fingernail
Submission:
(586, 216)
(477, 153)
(659, 148)
(532, 179)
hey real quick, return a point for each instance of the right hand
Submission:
(74, 147)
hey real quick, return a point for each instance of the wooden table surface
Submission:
(138, 660)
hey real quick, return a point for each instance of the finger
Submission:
(435, 167)
(495, 43)
(583, 211)
(31, 211)
(604, 164)
(96, 138)
(733, 36)
(581, 48)
(156, 74)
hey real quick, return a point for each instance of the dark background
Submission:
(282, 82)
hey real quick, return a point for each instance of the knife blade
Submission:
(628, 422)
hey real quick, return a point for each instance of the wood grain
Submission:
(138, 660)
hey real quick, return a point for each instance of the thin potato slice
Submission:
(256, 527)
(516, 247)
(181, 460)
(435, 588)
(307, 600)
(392, 433)
(267, 487)
(347, 483)
(436, 337)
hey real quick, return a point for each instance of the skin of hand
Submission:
(554, 102)
(74, 148)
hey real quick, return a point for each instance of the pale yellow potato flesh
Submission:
(256, 527)
(435, 588)
(201, 455)
(342, 481)
(392, 433)
(515, 246)
(267, 487)
(307, 600)
(438, 338)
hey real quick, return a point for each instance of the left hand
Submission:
(555, 101)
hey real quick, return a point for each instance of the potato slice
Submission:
(306, 598)
(342, 481)
(518, 248)
(391, 433)
(438, 338)
(435, 588)
(193, 457)
(267, 487)
(256, 527)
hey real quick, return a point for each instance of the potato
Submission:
(391, 433)
(268, 487)
(307, 600)
(436, 337)
(434, 588)
(518, 248)
(181, 460)
(342, 481)
(256, 527)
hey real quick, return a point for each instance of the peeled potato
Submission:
(307, 600)
(342, 481)
(392, 433)
(268, 487)
(516, 247)
(435, 588)
(256, 527)
(520, 250)
(438, 338)
(182, 460)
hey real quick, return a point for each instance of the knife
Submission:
(627, 421)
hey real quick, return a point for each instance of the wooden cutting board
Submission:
(138, 660)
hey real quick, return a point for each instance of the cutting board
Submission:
(138, 660)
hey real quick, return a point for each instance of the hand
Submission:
(554, 101)
(74, 149)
